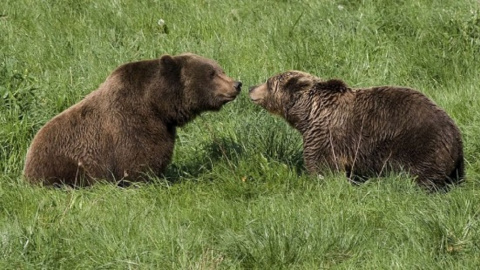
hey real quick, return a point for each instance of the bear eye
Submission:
(269, 85)
(213, 73)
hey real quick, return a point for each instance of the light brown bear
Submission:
(366, 132)
(127, 127)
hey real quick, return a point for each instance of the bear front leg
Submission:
(354, 177)
(316, 161)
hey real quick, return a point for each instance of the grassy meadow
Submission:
(236, 195)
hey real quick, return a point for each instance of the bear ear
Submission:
(295, 84)
(334, 85)
(168, 63)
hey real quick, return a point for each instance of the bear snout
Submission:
(238, 86)
(256, 93)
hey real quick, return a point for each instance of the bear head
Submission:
(292, 95)
(279, 91)
(203, 83)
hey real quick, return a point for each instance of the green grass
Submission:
(236, 195)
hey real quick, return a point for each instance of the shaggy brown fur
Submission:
(127, 126)
(366, 132)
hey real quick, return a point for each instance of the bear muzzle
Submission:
(257, 93)
(230, 93)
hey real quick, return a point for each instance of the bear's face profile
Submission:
(205, 84)
(279, 91)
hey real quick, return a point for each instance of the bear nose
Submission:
(238, 85)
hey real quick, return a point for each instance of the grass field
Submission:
(236, 195)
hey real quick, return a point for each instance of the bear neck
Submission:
(171, 108)
(169, 104)
(297, 113)
(318, 111)
(179, 116)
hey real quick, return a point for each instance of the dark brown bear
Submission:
(366, 132)
(127, 127)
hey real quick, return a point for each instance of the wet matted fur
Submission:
(366, 132)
